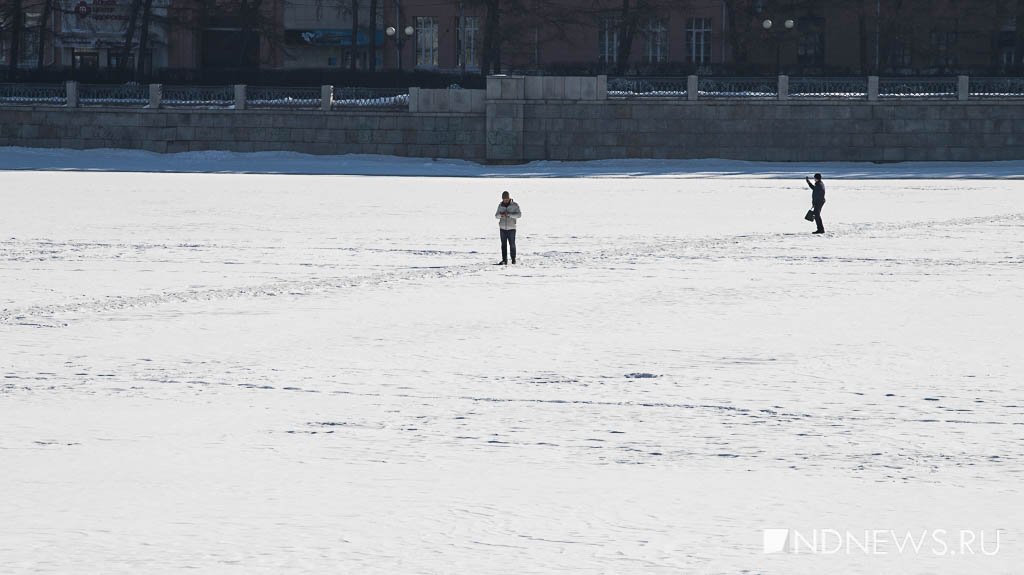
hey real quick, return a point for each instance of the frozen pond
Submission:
(324, 373)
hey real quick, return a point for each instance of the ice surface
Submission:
(270, 373)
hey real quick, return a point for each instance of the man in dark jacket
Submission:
(817, 200)
(507, 214)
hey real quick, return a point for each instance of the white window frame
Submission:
(656, 41)
(426, 42)
(608, 40)
(469, 53)
(698, 40)
(1008, 57)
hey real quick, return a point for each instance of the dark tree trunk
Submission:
(47, 11)
(1020, 33)
(373, 35)
(249, 12)
(140, 61)
(736, 44)
(129, 35)
(353, 60)
(490, 62)
(17, 22)
(625, 47)
(862, 34)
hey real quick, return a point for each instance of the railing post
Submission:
(414, 99)
(239, 96)
(872, 88)
(963, 88)
(783, 87)
(692, 87)
(156, 94)
(326, 98)
(602, 87)
(71, 90)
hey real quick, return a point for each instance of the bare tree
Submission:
(14, 22)
(354, 55)
(516, 26)
(634, 16)
(44, 19)
(129, 35)
(141, 61)
(373, 35)
(490, 56)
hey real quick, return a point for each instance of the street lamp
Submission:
(788, 25)
(392, 32)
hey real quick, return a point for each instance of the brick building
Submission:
(702, 36)
(552, 36)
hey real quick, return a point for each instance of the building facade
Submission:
(811, 37)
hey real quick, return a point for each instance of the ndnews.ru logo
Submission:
(940, 542)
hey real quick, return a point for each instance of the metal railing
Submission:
(993, 88)
(33, 94)
(832, 88)
(113, 95)
(870, 88)
(199, 96)
(918, 88)
(639, 87)
(372, 97)
(737, 87)
(280, 97)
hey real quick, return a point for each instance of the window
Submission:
(3, 49)
(426, 41)
(810, 49)
(467, 40)
(1007, 57)
(900, 54)
(944, 48)
(1007, 41)
(608, 41)
(698, 40)
(87, 60)
(655, 42)
(29, 46)
(116, 59)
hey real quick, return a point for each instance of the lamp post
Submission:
(392, 32)
(788, 25)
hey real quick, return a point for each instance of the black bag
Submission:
(809, 216)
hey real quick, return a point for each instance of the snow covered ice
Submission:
(298, 371)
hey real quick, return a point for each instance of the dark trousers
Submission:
(508, 240)
(817, 216)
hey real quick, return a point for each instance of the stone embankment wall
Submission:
(519, 119)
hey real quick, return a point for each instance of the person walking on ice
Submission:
(817, 200)
(507, 214)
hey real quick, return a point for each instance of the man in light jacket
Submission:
(507, 214)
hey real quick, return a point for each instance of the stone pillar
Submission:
(963, 88)
(414, 99)
(326, 98)
(239, 96)
(506, 97)
(692, 88)
(872, 88)
(156, 95)
(71, 90)
(783, 87)
(602, 87)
